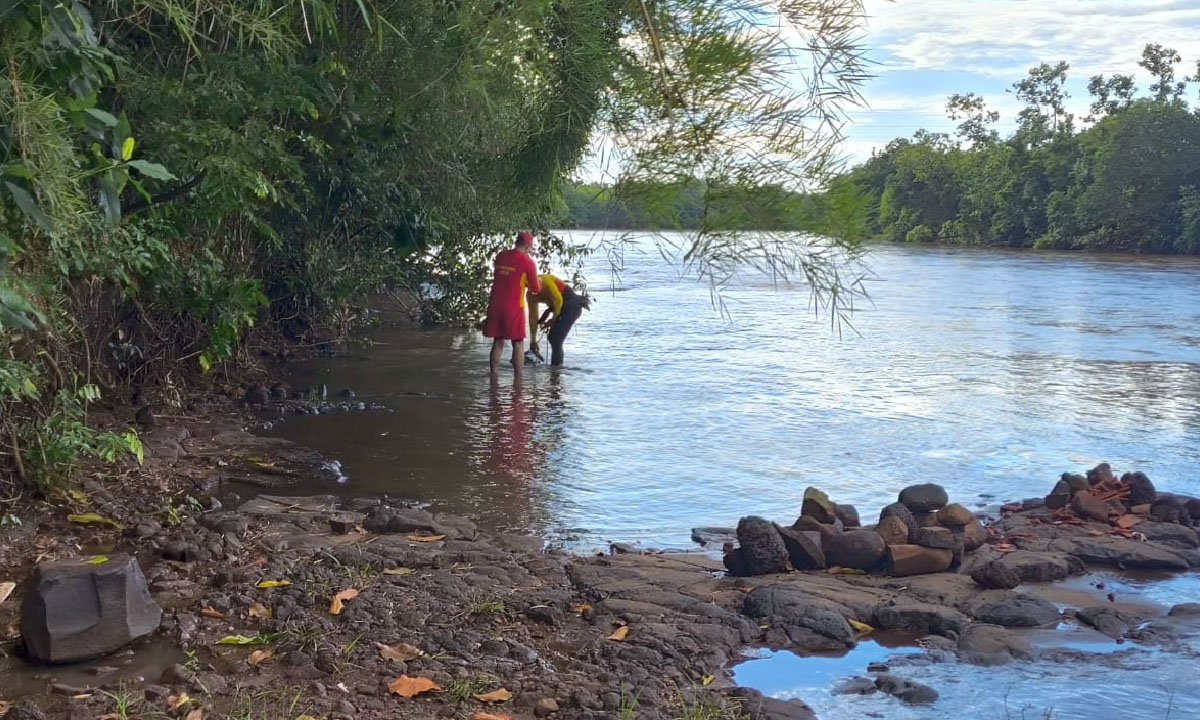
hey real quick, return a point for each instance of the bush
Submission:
(919, 234)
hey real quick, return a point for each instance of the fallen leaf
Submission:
(581, 609)
(708, 680)
(78, 496)
(258, 657)
(196, 714)
(335, 607)
(6, 589)
(408, 687)
(240, 640)
(489, 716)
(258, 610)
(82, 696)
(620, 633)
(861, 626)
(92, 518)
(97, 560)
(426, 538)
(399, 571)
(268, 584)
(212, 613)
(400, 652)
(174, 702)
(495, 696)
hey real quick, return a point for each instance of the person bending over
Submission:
(563, 308)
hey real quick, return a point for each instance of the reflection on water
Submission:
(989, 372)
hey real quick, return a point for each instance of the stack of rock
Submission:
(1100, 496)
(920, 533)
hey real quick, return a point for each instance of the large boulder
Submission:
(933, 537)
(1141, 490)
(1123, 553)
(1102, 473)
(995, 575)
(818, 506)
(1060, 496)
(927, 497)
(827, 531)
(992, 645)
(1177, 536)
(920, 618)
(803, 548)
(790, 607)
(76, 610)
(858, 549)
(901, 511)
(954, 515)
(848, 514)
(893, 530)
(905, 560)
(1033, 566)
(1089, 507)
(974, 535)
(1169, 509)
(1076, 481)
(1019, 611)
(1108, 620)
(762, 547)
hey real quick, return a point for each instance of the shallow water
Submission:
(988, 372)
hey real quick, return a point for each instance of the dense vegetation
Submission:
(174, 174)
(1126, 179)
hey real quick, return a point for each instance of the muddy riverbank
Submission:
(476, 624)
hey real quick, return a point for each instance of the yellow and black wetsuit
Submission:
(566, 306)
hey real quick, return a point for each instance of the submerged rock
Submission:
(75, 610)
(927, 497)
(761, 546)
(906, 691)
(1107, 620)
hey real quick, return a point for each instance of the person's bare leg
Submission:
(518, 356)
(497, 353)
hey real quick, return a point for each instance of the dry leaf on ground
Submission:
(258, 610)
(581, 609)
(409, 687)
(399, 571)
(212, 613)
(426, 538)
(91, 518)
(240, 640)
(258, 657)
(620, 633)
(495, 696)
(400, 652)
(97, 560)
(267, 584)
(6, 589)
(335, 607)
(861, 627)
(708, 680)
(489, 716)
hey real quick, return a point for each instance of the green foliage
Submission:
(1126, 183)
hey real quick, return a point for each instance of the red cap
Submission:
(525, 238)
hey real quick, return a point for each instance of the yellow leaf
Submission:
(175, 702)
(495, 696)
(212, 613)
(707, 680)
(196, 714)
(78, 496)
(409, 687)
(239, 640)
(426, 538)
(400, 652)
(335, 607)
(268, 584)
(489, 716)
(127, 155)
(620, 633)
(258, 657)
(581, 609)
(258, 610)
(97, 560)
(92, 518)
(861, 626)
(399, 571)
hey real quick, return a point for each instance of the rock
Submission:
(75, 611)
(545, 707)
(384, 520)
(154, 693)
(1076, 481)
(1141, 490)
(790, 607)
(901, 511)
(176, 675)
(1185, 610)
(975, 535)
(905, 560)
(925, 519)
(992, 645)
(848, 514)
(1167, 509)
(855, 686)
(827, 532)
(927, 497)
(804, 551)
(1089, 507)
(1019, 611)
(1177, 536)
(713, 535)
(761, 546)
(344, 521)
(346, 394)
(1102, 473)
(1060, 496)
(893, 530)
(859, 549)
(256, 395)
(955, 515)
(920, 618)
(906, 691)
(995, 575)
(1106, 620)
(1193, 508)
(1119, 552)
(818, 506)
(933, 537)
(1038, 566)
(735, 561)
(766, 708)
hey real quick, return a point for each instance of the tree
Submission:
(1160, 62)
(975, 115)
(1044, 92)
(1111, 94)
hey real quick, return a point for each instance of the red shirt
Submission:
(515, 273)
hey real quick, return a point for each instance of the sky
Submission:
(926, 50)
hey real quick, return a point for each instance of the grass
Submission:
(702, 708)
(306, 637)
(461, 690)
(628, 705)
(124, 702)
(488, 606)
(280, 704)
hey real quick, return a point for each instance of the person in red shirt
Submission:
(515, 274)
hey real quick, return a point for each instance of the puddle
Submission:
(144, 661)
(779, 672)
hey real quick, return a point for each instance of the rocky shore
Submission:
(273, 606)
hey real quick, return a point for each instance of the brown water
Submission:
(988, 372)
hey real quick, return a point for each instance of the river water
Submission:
(988, 372)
